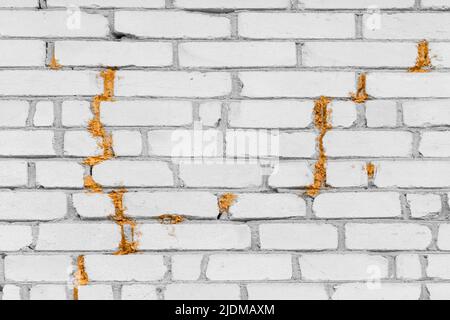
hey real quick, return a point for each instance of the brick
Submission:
(127, 143)
(186, 267)
(93, 205)
(368, 143)
(14, 113)
(286, 291)
(14, 237)
(435, 144)
(426, 113)
(109, 3)
(343, 114)
(438, 266)
(146, 113)
(409, 26)
(13, 173)
(408, 266)
(171, 24)
(26, 143)
(210, 113)
(48, 292)
(139, 292)
(296, 25)
(357, 4)
(381, 113)
(197, 236)
(427, 174)
(226, 174)
(11, 292)
(43, 116)
(342, 267)
(385, 291)
(357, 205)
(197, 291)
(51, 83)
(249, 267)
(95, 292)
(32, 268)
(263, 206)
(133, 173)
(106, 53)
(54, 174)
(154, 204)
(22, 53)
(81, 144)
(237, 54)
(18, 4)
(117, 268)
(439, 291)
(385, 236)
(290, 175)
(347, 174)
(52, 24)
(435, 3)
(421, 205)
(443, 240)
(78, 237)
(32, 205)
(440, 54)
(232, 4)
(299, 84)
(76, 113)
(298, 236)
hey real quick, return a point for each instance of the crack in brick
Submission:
(361, 95)
(54, 64)
(81, 276)
(423, 61)
(225, 202)
(370, 168)
(321, 121)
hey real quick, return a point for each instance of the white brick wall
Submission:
(202, 76)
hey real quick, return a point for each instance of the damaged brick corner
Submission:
(423, 61)
(225, 202)
(81, 276)
(54, 64)
(361, 95)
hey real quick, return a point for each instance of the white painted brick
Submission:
(22, 143)
(210, 113)
(385, 236)
(381, 113)
(172, 84)
(81, 144)
(439, 291)
(249, 267)
(342, 267)
(43, 116)
(357, 205)
(438, 266)
(196, 291)
(38, 268)
(22, 53)
(298, 236)
(45, 23)
(443, 240)
(32, 205)
(225, 174)
(18, 4)
(76, 113)
(14, 113)
(368, 143)
(237, 54)
(107, 53)
(109, 3)
(13, 173)
(139, 292)
(356, 4)
(408, 266)
(300, 84)
(358, 54)
(440, 54)
(424, 204)
(14, 237)
(409, 26)
(214, 236)
(261, 206)
(93, 205)
(232, 4)
(95, 292)
(53, 174)
(286, 291)
(48, 83)
(435, 144)
(185, 143)
(154, 204)
(11, 292)
(291, 174)
(125, 267)
(296, 25)
(48, 292)
(427, 174)
(171, 24)
(385, 291)
(413, 85)
(346, 174)
(343, 113)
(78, 237)
(426, 113)
(127, 143)
(146, 113)
(133, 173)
(270, 114)
(186, 267)
(435, 3)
